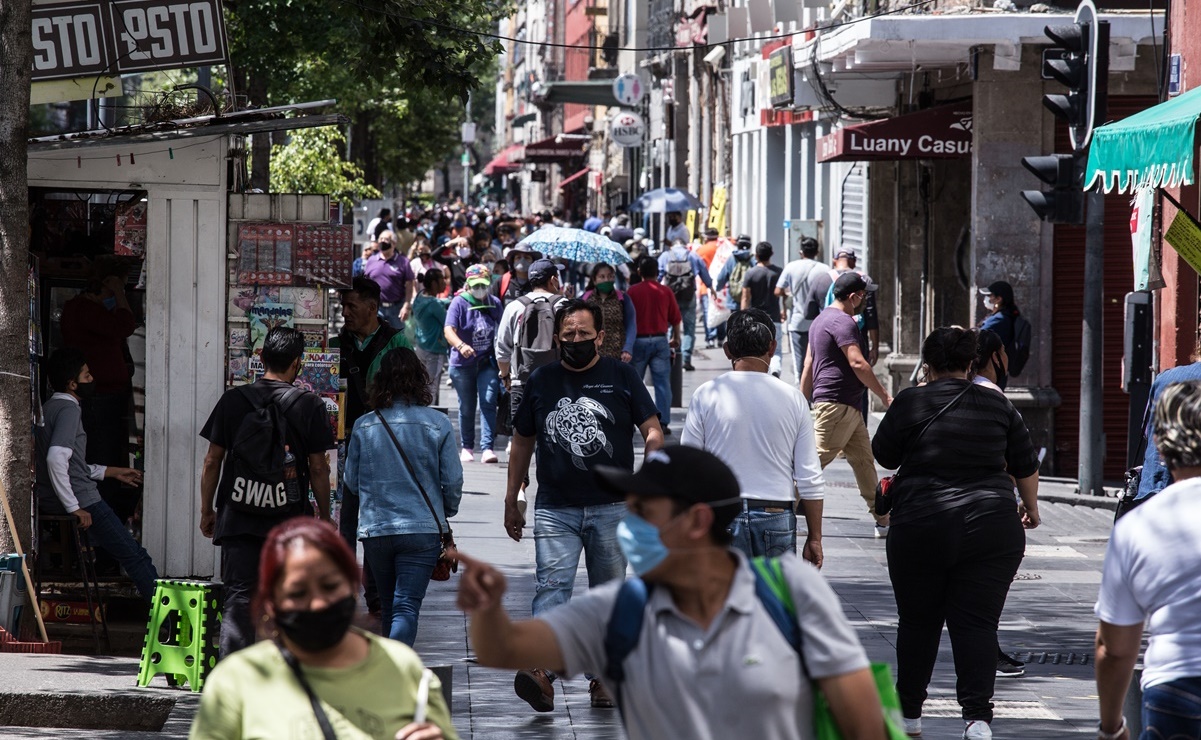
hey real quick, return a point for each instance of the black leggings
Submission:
(953, 567)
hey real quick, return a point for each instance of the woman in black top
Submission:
(956, 539)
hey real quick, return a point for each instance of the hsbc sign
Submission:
(115, 37)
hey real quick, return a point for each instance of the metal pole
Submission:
(1091, 443)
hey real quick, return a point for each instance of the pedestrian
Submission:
(471, 323)
(67, 484)
(403, 463)
(317, 669)
(761, 427)
(515, 282)
(677, 231)
(423, 258)
(620, 322)
(833, 378)
(525, 338)
(381, 223)
(707, 250)
(989, 369)
(429, 315)
(956, 538)
(733, 272)
(576, 414)
(759, 291)
(1151, 580)
(390, 269)
(655, 311)
(709, 660)
(234, 480)
(452, 266)
(359, 265)
(679, 269)
(794, 284)
(1155, 476)
(821, 295)
(1002, 313)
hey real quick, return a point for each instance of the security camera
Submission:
(714, 57)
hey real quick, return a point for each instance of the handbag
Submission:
(1134, 476)
(327, 730)
(884, 498)
(445, 565)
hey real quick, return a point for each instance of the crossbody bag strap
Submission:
(327, 730)
(412, 471)
(941, 411)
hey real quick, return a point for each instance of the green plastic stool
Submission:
(182, 637)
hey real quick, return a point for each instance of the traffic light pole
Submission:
(1091, 375)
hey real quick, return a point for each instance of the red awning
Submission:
(574, 177)
(503, 163)
(944, 132)
(553, 150)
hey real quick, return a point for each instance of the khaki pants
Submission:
(840, 428)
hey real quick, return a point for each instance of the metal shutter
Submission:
(853, 215)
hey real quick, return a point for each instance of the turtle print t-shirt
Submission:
(581, 420)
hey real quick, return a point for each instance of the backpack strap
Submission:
(772, 589)
(623, 631)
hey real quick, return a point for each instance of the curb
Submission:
(1071, 499)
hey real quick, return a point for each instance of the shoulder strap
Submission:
(772, 589)
(943, 410)
(412, 471)
(327, 730)
(623, 631)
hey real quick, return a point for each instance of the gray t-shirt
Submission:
(64, 428)
(795, 279)
(833, 379)
(738, 678)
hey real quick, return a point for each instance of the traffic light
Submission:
(1066, 62)
(1064, 203)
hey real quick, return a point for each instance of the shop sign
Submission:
(937, 133)
(627, 129)
(780, 75)
(116, 37)
(628, 90)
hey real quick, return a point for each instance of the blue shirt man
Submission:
(1155, 476)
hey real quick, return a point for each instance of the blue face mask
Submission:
(640, 542)
(110, 303)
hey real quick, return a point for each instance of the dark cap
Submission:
(846, 254)
(711, 233)
(999, 288)
(852, 282)
(679, 472)
(743, 241)
(542, 271)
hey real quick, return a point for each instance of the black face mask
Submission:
(318, 630)
(578, 354)
(85, 390)
(1002, 374)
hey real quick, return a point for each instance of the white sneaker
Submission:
(465, 457)
(509, 447)
(881, 532)
(489, 457)
(913, 727)
(977, 729)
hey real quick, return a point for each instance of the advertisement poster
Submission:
(265, 254)
(319, 372)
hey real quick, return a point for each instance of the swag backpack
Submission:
(534, 344)
(680, 277)
(260, 475)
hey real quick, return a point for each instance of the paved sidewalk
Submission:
(1048, 618)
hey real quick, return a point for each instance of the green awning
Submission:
(1151, 149)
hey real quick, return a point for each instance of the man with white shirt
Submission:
(794, 284)
(66, 482)
(761, 427)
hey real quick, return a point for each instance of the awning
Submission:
(944, 132)
(554, 150)
(1151, 149)
(567, 181)
(503, 163)
(593, 92)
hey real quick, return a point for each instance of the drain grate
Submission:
(1045, 658)
(1027, 577)
(1001, 709)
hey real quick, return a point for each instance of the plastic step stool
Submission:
(182, 637)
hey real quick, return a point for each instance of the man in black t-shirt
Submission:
(759, 291)
(577, 413)
(241, 534)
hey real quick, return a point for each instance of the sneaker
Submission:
(689, 367)
(977, 729)
(599, 697)
(913, 727)
(509, 447)
(489, 457)
(465, 457)
(1009, 668)
(666, 431)
(881, 532)
(535, 688)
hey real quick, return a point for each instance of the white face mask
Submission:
(479, 292)
(464, 251)
(521, 265)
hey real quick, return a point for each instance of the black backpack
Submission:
(680, 277)
(1019, 354)
(257, 455)
(534, 345)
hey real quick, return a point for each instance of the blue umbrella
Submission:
(666, 200)
(574, 244)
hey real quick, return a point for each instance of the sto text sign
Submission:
(115, 37)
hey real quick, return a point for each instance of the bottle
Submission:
(291, 482)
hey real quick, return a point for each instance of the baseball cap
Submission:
(846, 254)
(479, 275)
(743, 241)
(852, 282)
(999, 287)
(542, 270)
(686, 474)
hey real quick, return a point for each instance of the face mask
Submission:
(110, 303)
(479, 292)
(605, 287)
(1002, 374)
(83, 390)
(578, 354)
(521, 265)
(464, 251)
(317, 630)
(640, 542)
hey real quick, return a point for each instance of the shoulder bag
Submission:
(884, 498)
(1134, 476)
(445, 565)
(327, 730)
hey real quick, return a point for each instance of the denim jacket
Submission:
(390, 501)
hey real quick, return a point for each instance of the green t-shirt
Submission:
(253, 694)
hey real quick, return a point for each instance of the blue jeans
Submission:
(688, 340)
(764, 533)
(710, 332)
(800, 345)
(1172, 710)
(777, 360)
(476, 383)
(560, 535)
(402, 565)
(656, 352)
(109, 534)
(391, 314)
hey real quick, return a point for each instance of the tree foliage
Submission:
(311, 162)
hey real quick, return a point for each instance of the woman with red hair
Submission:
(317, 676)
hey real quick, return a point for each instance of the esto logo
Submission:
(256, 493)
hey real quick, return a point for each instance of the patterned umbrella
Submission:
(575, 244)
(666, 200)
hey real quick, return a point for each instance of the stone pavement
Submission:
(1048, 618)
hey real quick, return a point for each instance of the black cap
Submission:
(687, 474)
(743, 241)
(852, 282)
(1002, 289)
(541, 271)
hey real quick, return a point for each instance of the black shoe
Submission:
(688, 366)
(1009, 668)
(666, 431)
